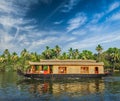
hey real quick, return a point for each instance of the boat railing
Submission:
(29, 71)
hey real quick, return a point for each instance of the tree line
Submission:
(13, 61)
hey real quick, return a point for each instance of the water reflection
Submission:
(57, 88)
(15, 88)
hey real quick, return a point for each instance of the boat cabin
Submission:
(66, 67)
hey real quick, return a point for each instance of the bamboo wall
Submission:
(77, 69)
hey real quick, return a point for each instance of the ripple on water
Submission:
(112, 79)
(13, 89)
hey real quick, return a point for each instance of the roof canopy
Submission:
(68, 62)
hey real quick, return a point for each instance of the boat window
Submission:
(36, 67)
(45, 67)
(84, 70)
(62, 70)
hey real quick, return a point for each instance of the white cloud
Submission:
(76, 22)
(114, 17)
(103, 33)
(31, 38)
(11, 16)
(4, 7)
(11, 7)
(5, 41)
(50, 39)
(70, 5)
(58, 22)
(105, 13)
(10, 21)
(24, 3)
(79, 32)
(97, 17)
(42, 42)
(93, 41)
(114, 6)
(97, 28)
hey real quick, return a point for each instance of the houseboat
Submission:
(60, 69)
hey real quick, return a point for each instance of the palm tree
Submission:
(57, 50)
(14, 59)
(37, 56)
(86, 55)
(6, 54)
(24, 53)
(64, 55)
(25, 57)
(76, 53)
(2, 64)
(47, 54)
(70, 52)
(14, 56)
(34, 57)
(2, 59)
(7, 61)
(113, 56)
(99, 50)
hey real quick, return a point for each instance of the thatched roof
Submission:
(68, 62)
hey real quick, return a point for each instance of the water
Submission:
(16, 88)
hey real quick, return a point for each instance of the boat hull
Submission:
(61, 76)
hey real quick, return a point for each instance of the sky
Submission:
(80, 24)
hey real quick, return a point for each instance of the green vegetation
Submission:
(13, 61)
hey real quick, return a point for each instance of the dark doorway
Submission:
(96, 70)
(51, 69)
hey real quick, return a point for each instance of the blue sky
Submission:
(81, 24)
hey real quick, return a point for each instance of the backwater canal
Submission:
(16, 88)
